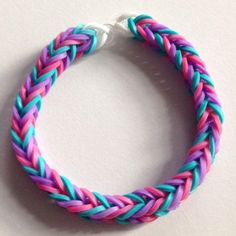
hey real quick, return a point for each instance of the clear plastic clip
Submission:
(104, 31)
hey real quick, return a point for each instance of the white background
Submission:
(120, 119)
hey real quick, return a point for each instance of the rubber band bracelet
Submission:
(144, 204)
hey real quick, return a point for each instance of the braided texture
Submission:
(142, 205)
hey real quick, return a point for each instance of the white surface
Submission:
(117, 120)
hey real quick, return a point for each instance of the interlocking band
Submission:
(142, 205)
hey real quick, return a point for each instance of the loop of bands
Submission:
(142, 205)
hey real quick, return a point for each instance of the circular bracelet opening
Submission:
(127, 116)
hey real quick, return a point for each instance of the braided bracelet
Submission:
(141, 205)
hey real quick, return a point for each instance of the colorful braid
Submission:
(142, 205)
